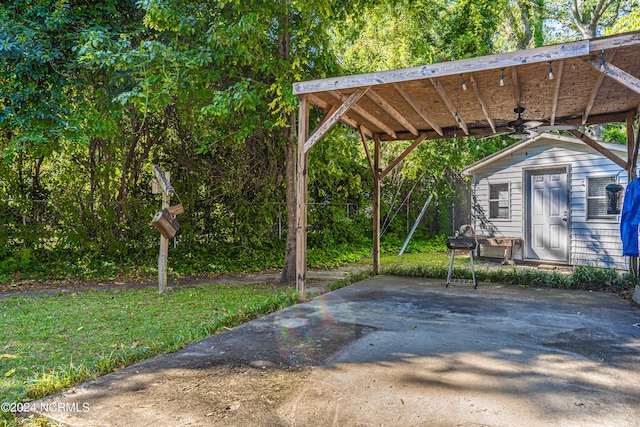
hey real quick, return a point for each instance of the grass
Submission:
(436, 265)
(53, 342)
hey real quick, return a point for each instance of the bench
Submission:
(509, 243)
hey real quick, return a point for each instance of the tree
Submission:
(588, 18)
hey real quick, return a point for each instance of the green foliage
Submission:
(615, 132)
(584, 278)
(93, 93)
(589, 18)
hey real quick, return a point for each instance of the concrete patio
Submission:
(390, 351)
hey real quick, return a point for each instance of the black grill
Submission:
(462, 243)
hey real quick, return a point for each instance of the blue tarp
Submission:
(630, 219)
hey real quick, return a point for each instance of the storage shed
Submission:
(548, 193)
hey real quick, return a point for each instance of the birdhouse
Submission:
(165, 223)
(613, 198)
(176, 209)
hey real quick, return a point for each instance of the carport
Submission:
(586, 82)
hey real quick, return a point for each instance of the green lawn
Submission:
(52, 342)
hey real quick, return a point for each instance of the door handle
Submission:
(564, 218)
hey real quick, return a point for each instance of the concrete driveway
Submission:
(391, 351)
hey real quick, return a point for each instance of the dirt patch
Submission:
(317, 282)
(54, 287)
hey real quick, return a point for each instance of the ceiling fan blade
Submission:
(523, 134)
(530, 124)
(558, 127)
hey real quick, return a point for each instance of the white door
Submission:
(548, 230)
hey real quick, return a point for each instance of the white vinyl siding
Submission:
(594, 241)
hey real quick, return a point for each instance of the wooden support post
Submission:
(167, 191)
(162, 184)
(376, 204)
(301, 211)
(164, 252)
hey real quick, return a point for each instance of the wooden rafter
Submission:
(594, 91)
(617, 74)
(418, 108)
(365, 114)
(366, 148)
(346, 119)
(404, 154)
(516, 87)
(556, 92)
(483, 104)
(333, 118)
(599, 148)
(392, 111)
(452, 109)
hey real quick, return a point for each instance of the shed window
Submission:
(597, 197)
(499, 201)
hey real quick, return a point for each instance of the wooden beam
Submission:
(599, 148)
(594, 91)
(391, 111)
(301, 196)
(486, 131)
(366, 115)
(556, 92)
(485, 109)
(404, 154)
(620, 40)
(346, 119)
(632, 145)
(452, 109)
(366, 149)
(469, 65)
(516, 87)
(418, 108)
(328, 115)
(376, 205)
(618, 74)
(320, 131)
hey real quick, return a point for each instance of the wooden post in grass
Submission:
(164, 222)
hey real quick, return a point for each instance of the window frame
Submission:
(603, 198)
(498, 200)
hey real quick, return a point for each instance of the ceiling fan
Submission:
(524, 129)
(521, 128)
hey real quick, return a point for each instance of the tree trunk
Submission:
(289, 267)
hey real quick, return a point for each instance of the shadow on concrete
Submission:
(392, 350)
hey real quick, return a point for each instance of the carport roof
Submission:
(579, 83)
(594, 81)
